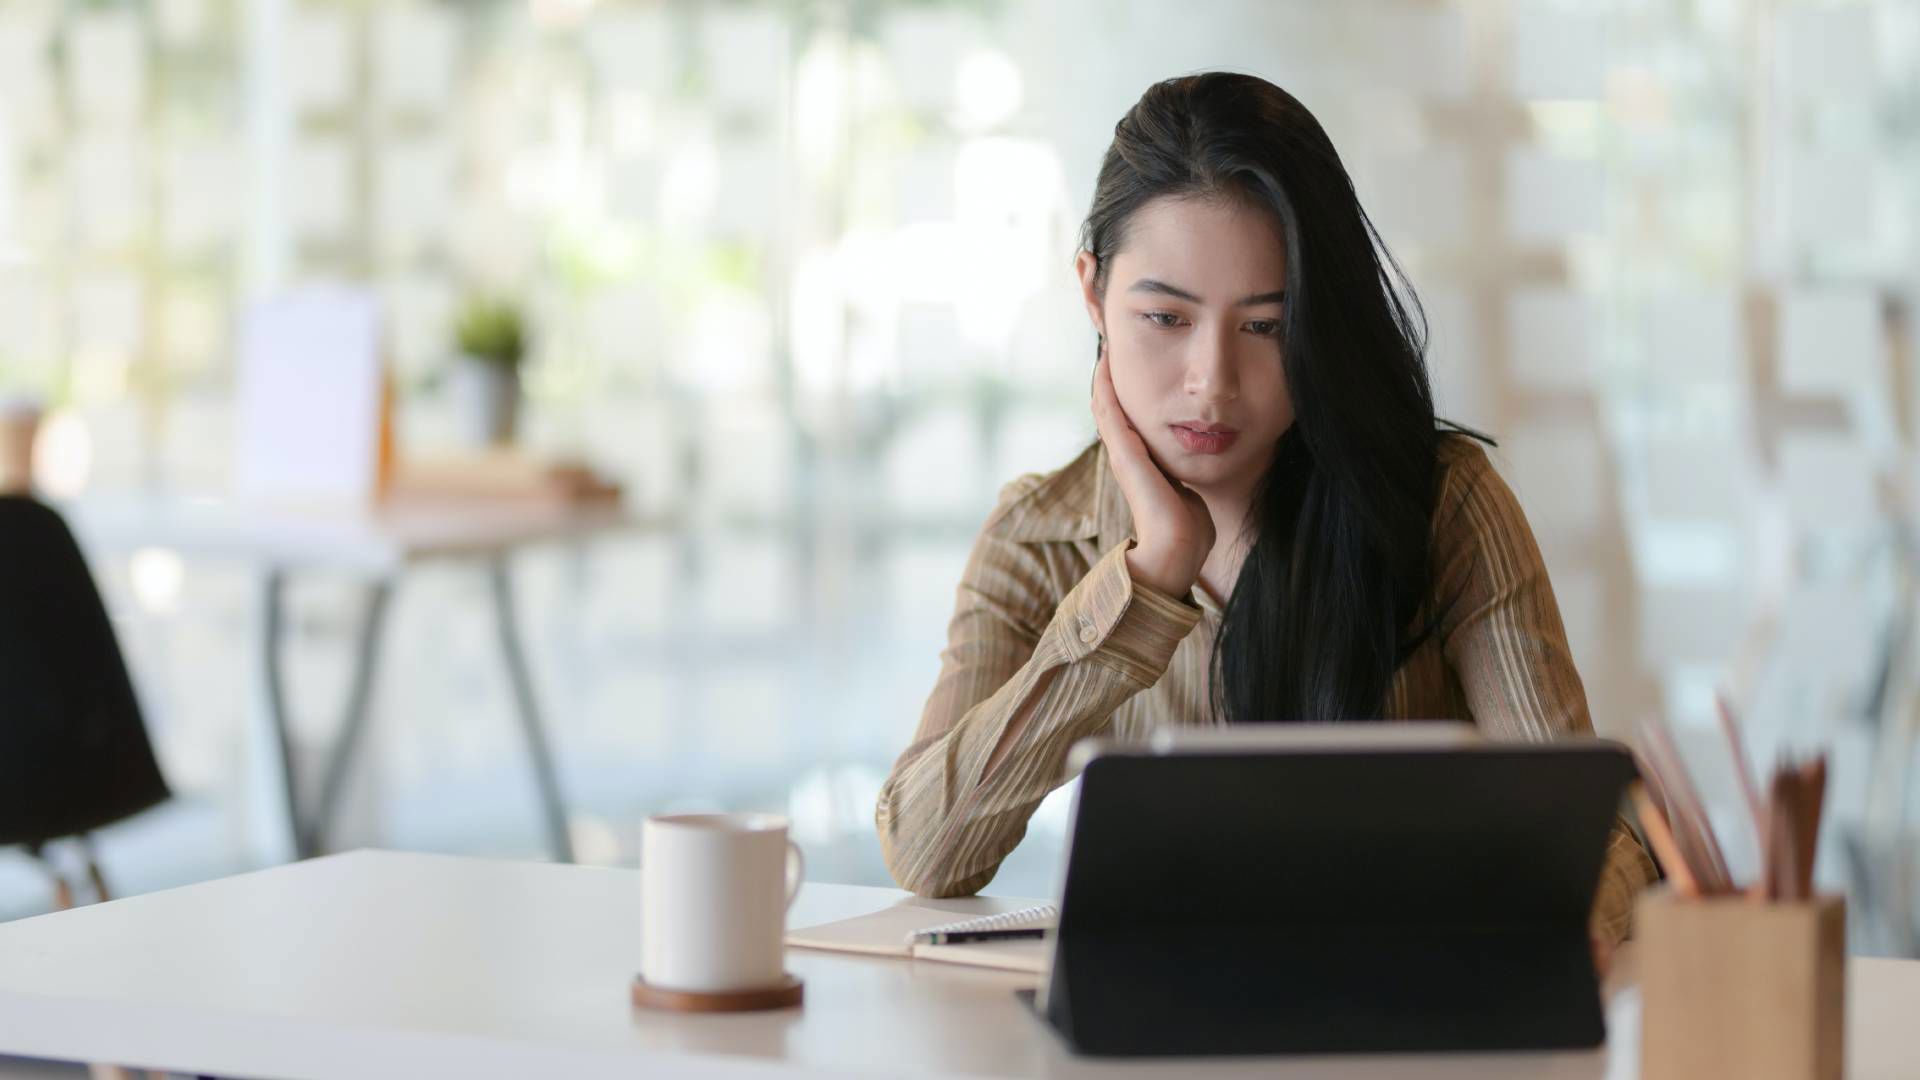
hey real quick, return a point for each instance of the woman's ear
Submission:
(1086, 267)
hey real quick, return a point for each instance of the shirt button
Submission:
(1087, 630)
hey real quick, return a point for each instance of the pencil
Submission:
(1742, 771)
(1664, 847)
(1687, 820)
(1812, 806)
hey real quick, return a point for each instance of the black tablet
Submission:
(1363, 888)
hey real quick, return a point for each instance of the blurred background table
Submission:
(377, 543)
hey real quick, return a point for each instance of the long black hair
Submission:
(1331, 597)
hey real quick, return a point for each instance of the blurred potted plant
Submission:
(490, 335)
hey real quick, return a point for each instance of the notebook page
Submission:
(1033, 955)
(883, 933)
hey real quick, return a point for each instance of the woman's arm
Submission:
(1026, 673)
(1502, 634)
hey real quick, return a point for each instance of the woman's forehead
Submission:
(1217, 249)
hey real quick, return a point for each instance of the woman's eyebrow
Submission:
(1151, 285)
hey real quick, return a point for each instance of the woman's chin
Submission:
(1201, 470)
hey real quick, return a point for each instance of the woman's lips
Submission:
(1206, 439)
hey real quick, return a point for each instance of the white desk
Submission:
(376, 964)
(379, 544)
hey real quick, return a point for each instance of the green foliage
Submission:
(492, 330)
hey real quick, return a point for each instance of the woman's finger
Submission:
(1107, 415)
(1116, 430)
(1106, 406)
(1127, 453)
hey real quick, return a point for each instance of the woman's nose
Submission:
(1211, 375)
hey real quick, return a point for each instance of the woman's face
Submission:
(1191, 313)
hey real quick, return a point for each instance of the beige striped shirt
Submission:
(1048, 615)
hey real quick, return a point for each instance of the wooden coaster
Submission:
(785, 996)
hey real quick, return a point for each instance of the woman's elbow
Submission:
(902, 864)
(931, 886)
(909, 870)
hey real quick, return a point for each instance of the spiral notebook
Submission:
(1039, 917)
(891, 931)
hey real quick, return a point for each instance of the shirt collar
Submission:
(1082, 501)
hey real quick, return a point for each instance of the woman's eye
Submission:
(1264, 327)
(1162, 318)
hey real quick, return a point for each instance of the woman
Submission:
(1272, 527)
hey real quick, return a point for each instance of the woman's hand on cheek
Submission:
(1171, 522)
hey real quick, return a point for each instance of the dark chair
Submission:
(74, 754)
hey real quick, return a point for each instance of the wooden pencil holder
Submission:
(1732, 987)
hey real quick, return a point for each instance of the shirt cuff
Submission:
(1626, 872)
(1113, 619)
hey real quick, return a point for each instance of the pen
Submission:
(963, 937)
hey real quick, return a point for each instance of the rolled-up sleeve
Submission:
(1503, 637)
(1017, 646)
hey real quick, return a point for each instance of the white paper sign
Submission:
(309, 395)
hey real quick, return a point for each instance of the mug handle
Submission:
(796, 871)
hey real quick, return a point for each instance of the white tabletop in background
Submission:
(370, 539)
(376, 964)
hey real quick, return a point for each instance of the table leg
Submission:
(553, 806)
(274, 623)
(354, 722)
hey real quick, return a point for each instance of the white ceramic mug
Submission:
(714, 893)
